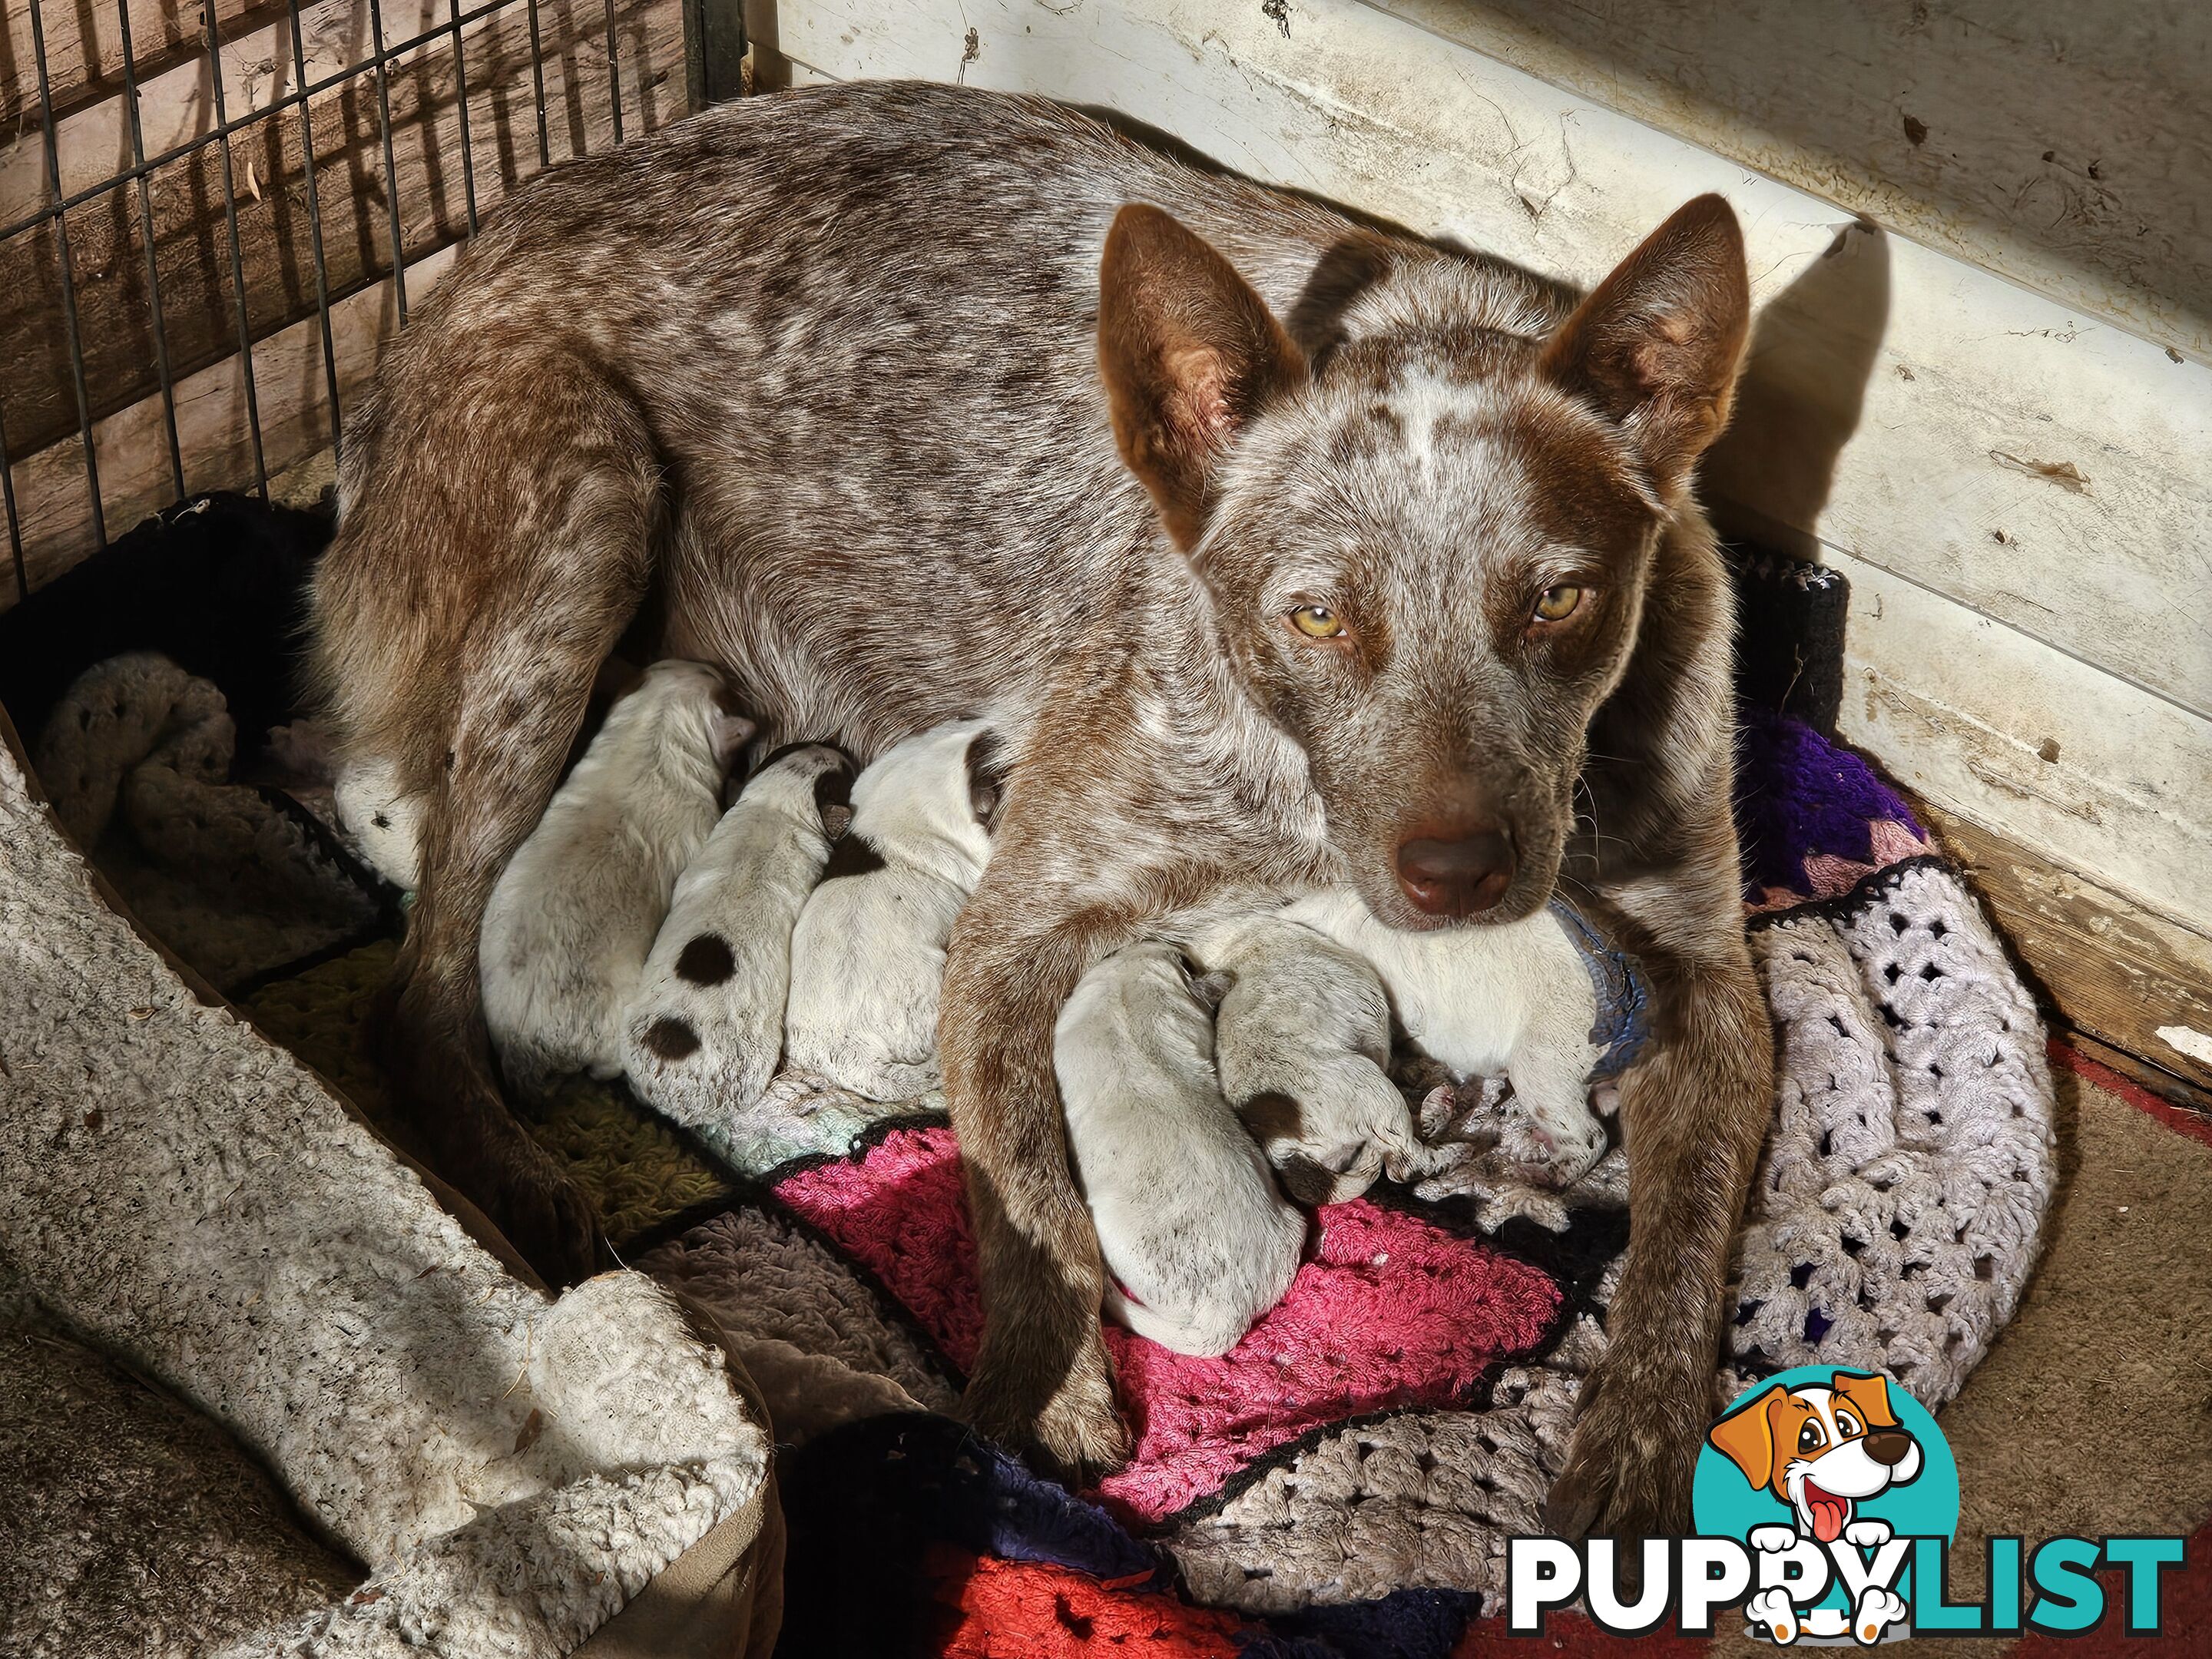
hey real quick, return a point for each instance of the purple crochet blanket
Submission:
(1342, 1482)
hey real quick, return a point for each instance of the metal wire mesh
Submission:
(214, 212)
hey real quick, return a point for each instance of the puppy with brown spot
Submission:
(1301, 1044)
(706, 1028)
(1198, 1242)
(570, 924)
(867, 962)
(1286, 552)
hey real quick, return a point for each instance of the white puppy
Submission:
(1520, 999)
(706, 1027)
(1301, 1044)
(1197, 1241)
(867, 960)
(566, 934)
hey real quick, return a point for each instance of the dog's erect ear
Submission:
(1188, 353)
(1745, 1438)
(1869, 1396)
(1657, 345)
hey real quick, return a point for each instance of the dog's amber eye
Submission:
(1317, 621)
(1847, 1426)
(1558, 604)
(1810, 1438)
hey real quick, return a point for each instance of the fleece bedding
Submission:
(206, 1263)
(1345, 1480)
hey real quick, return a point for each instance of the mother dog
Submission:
(1286, 552)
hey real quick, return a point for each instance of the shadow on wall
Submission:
(1813, 349)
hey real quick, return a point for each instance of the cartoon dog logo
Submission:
(1823, 1451)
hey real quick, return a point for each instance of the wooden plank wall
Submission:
(2061, 145)
(84, 48)
(2021, 491)
(199, 311)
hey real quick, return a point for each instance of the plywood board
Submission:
(2134, 980)
(176, 98)
(133, 447)
(84, 48)
(268, 172)
(2068, 762)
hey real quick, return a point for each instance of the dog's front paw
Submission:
(1867, 1535)
(1773, 1540)
(1772, 1613)
(1076, 1435)
(1877, 1610)
(1629, 1466)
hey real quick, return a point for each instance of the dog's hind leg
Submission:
(460, 616)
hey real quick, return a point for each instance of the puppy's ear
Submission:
(1657, 345)
(987, 763)
(1188, 353)
(731, 733)
(1870, 1396)
(1745, 1438)
(833, 798)
(732, 729)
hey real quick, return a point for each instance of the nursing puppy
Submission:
(1302, 1047)
(386, 822)
(1196, 1239)
(867, 961)
(1286, 552)
(1518, 999)
(700, 1040)
(565, 933)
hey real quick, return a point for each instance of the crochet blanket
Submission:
(1346, 1479)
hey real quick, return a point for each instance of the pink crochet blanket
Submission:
(1344, 1479)
(1389, 1310)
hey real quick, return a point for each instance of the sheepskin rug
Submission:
(186, 1198)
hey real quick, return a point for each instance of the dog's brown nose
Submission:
(1888, 1446)
(1462, 877)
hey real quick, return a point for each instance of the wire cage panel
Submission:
(186, 177)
